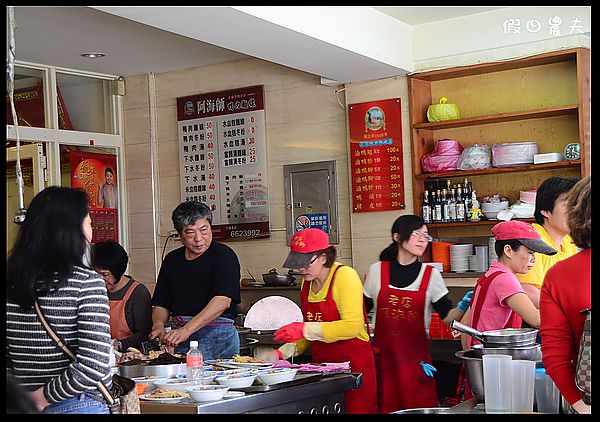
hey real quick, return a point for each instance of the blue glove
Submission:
(428, 369)
(465, 302)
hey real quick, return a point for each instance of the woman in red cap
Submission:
(403, 293)
(499, 300)
(334, 316)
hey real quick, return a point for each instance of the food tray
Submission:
(300, 378)
(165, 371)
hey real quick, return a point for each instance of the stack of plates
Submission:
(491, 251)
(459, 257)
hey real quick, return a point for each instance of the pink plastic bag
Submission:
(444, 157)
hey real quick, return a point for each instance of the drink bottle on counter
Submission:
(194, 363)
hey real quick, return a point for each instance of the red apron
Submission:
(118, 323)
(401, 343)
(358, 352)
(482, 285)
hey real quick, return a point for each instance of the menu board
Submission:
(376, 156)
(223, 159)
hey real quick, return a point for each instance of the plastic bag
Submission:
(475, 157)
(444, 157)
(442, 111)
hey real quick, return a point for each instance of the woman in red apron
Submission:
(129, 300)
(499, 300)
(334, 317)
(405, 292)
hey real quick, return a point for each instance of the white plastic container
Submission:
(523, 381)
(276, 375)
(550, 157)
(497, 375)
(237, 380)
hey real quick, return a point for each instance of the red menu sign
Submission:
(376, 156)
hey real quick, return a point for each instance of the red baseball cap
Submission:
(303, 246)
(524, 233)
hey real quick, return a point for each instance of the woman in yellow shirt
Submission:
(334, 318)
(551, 224)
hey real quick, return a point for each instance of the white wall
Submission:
(481, 38)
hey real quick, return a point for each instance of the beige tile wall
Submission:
(304, 123)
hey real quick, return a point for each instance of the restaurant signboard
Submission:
(223, 159)
(376, 156)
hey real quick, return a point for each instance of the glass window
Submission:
(28, 98)
(84, 103)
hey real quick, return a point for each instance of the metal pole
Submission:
(21, 212)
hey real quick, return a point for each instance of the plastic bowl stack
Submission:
(459, 257)
(491, 251)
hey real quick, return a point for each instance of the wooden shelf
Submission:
(499, 118)
(499, 170)
(476, 223)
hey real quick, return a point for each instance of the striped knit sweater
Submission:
(78, 313)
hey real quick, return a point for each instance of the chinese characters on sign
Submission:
(96, 174)
(513, 26)
(376, 156)
(223, 160)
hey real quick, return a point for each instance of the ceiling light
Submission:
(93, 55)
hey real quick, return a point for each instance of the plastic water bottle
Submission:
(194, 363)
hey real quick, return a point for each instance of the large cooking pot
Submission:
(533, 352)
(474, 372)
(508, 337)
(274, 278)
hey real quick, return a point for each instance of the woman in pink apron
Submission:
(499, 300)
(404, 292)
(334, 317)
(129, 300)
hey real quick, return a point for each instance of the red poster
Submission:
(96, 174)
(376, 156)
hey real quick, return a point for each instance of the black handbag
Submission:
(123, 398)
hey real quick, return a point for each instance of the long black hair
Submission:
(404, 226)
(50, 242)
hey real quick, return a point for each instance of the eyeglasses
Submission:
(310, 263)
(423, 235)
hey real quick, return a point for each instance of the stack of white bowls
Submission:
(491, 251)
(459, 257)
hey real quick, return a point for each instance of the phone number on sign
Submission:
(245, 233)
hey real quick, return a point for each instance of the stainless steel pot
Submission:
(273, 278)
(145, 370)
(508, 337)
(533, 352)
(474, 372)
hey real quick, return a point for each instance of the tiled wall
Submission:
(304, 123)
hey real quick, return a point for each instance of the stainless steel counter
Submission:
(326, 395)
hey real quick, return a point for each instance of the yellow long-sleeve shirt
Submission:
(543, 262)
(348, 297)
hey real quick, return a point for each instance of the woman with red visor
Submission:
(334, 316)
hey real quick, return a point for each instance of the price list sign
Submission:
(223, 159)
(376, 156)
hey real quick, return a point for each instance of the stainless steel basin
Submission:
(423, 411)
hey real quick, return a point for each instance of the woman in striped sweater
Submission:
(50, 263)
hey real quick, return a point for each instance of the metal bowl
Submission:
(522, 353)
(474, 372)
(422, 411)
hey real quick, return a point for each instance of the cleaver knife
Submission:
(149, 345)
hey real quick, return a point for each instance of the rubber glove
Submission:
(464, 303)
(428, 369)
(290, 332)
